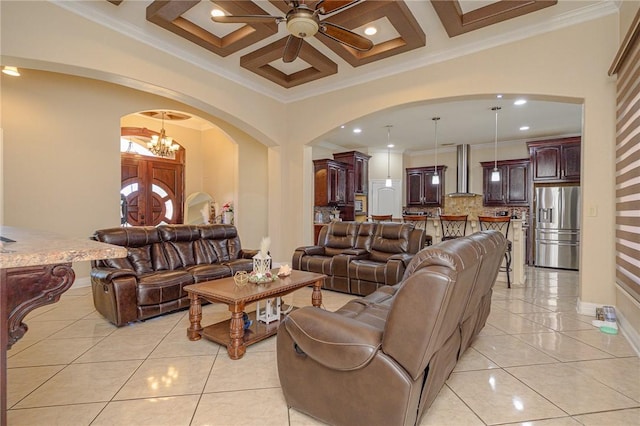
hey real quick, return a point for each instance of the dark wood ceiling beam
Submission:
(259, 62)
(168, 15)
(456, 22)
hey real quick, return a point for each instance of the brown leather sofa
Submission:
(160, 262)
(360, 257)
(382, 359)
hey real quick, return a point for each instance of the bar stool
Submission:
(419, 221)
(500, 223)
(381, 218)
(453, 226)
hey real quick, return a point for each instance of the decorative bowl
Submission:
(261, 278)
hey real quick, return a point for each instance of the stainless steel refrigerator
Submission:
(557, 227)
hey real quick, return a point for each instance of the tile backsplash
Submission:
(471, 206)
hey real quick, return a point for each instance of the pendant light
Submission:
(435, 180)
(388, 182)
(495, 174)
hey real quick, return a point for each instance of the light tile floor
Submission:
(536, 362)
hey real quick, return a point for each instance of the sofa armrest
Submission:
(115, 297)
(405, 258)
(108, 274)
(311, 250)
(331, 339)
(356, 253)
(247, 254)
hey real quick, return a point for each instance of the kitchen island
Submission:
(35, 269)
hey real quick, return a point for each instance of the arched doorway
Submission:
(152, 187)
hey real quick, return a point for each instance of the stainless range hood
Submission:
(462, 185)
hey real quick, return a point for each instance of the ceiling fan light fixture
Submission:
(302, 26)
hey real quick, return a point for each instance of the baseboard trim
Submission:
(585, 308)
(589, 309)
(629, 332)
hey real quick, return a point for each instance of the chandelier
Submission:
(162, 145)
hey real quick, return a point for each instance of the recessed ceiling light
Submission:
(520, 102)
(390, 145)
(342, 127)
(217, 12)
(523, 128)
(499, 96)
(357, 130)
(12, 71)
(370, 31)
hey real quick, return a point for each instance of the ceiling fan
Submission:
(303, 22)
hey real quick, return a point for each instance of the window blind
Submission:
(627, 67)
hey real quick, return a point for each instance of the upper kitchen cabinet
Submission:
(513, 187)
(556, 160)
(420, 189)
(360, 165)
(330, 179)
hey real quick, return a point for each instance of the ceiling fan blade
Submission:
(244, 19)
(329, 6)
(292, 49)
(345, 36)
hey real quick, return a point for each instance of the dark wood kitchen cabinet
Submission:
(556, 160)
(360, 168)
(357, 185)
(420, 189)
(513, 187)
(330, 182)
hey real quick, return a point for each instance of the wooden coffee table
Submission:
(231, 333)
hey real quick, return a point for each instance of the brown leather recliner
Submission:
(160, 262)
(389, 253)
(333, 240)
(359, 257)
(394, 349)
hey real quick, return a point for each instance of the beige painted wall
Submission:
(62, 156)
(570, 62)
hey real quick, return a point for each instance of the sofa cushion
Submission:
(209, 272)
(140, 259)
(390, 239)
(340, 236)
(218, 244)
(240, 265)
(178, 243)
(150, 258)
(161, 287)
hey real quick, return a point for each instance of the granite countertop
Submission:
(33, 248)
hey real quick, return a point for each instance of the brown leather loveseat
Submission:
(382, 359)
(360, 257)
(160, 262)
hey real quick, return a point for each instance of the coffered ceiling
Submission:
(399, 30)
(410, 33)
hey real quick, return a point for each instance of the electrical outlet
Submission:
(592, 211)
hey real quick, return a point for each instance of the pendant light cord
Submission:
(388, 152)
(495, 141)
(435, 165)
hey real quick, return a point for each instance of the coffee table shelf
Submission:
(219, 332)
(231, 332)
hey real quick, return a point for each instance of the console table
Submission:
(35, 269)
